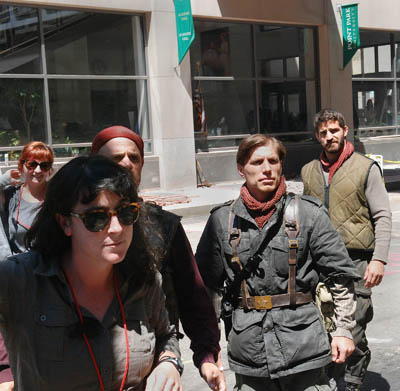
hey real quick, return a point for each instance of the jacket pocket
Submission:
(142, 341)
(51, 329)
(60, 351)
(246, 340)
(301, 334)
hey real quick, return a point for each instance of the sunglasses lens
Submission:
(96, 221)
(31, 164)
(128, 214)
(45, 166)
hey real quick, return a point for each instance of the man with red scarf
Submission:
(351, 187)
(266, 268)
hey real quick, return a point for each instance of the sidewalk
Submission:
(199, 201)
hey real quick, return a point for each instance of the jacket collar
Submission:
(240, 210)
(52, 268)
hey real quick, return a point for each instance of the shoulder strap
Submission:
(291, 217)
(234, 235)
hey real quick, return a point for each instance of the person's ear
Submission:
(65, 224)
(240, 169)
(345, 130)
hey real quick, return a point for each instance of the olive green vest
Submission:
(345, 199)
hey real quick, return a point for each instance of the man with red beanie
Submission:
(351, 187)
(186, 297)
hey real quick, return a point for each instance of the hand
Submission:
(164, 377)
(374, 274)
(7, 386)
(219, 362)
(15, 177)
(213, 376)
(342, 347)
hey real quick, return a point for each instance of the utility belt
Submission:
(274, 301)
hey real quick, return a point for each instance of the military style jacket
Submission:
(280, 341)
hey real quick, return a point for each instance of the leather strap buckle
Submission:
(262, 302)
(293, 243)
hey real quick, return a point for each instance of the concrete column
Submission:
(171, 112)
(336, 84)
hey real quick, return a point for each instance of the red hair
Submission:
(35, 150)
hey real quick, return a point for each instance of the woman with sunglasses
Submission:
(90, 319)
(23, 201)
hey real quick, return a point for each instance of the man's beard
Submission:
(335, 147)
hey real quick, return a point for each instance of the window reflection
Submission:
(222, 49)
(283, 77)
(374, 106)
(373, 59)
(77, 46)
(283, 107)
(21, 111)
(80, 108)
(83, 44)
(19, 40)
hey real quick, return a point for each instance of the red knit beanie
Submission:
(116, 131)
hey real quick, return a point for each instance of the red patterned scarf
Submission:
(262, 211)
(333, 167)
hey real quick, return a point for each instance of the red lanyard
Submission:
(19, 205)
(87, 341)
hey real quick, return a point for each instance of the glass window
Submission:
(96, 44)
(229, 107)
(283, 107)
(19, 40)
(80, 108)
(374, 58)
(397, 53)
(21, 108)
(75, 105)
(222, 49)
(281, 51)
(374, 106)
(376, 99)
(275, 94)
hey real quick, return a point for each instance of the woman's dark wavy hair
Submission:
(81, 180)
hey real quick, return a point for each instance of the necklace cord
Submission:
(125, 330)
(87, 340)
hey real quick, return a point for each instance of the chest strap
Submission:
(292, 298)
(291, 217)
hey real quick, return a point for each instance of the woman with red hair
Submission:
(21, 204)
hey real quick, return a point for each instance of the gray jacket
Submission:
(281, 341)
(43, 335)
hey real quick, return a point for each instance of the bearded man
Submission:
(351, 187)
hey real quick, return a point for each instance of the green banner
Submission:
(351, 33)
(184, 27)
